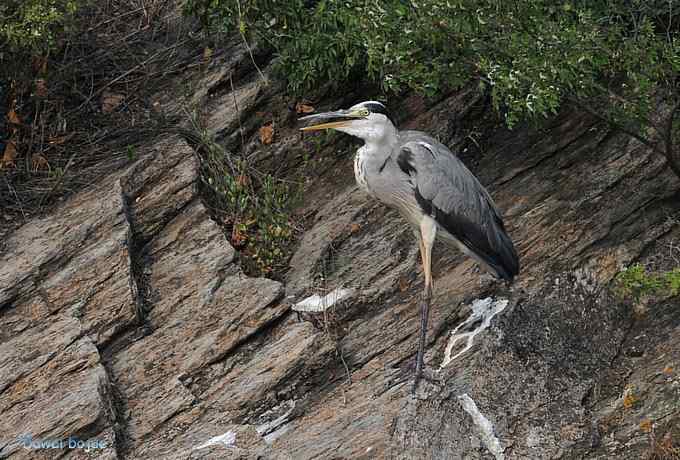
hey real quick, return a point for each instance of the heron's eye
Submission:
(364, 112)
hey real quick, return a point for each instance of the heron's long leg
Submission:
(428, 230)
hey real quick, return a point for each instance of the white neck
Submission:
(379, 147)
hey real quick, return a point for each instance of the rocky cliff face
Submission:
(125, 317)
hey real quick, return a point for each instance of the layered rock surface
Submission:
(125, 316)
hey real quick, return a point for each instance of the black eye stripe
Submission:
(377, 107)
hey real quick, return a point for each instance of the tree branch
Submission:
(616, 125)
(624, 101)
(667, 152)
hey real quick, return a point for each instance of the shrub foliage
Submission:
(33, 25)
(617, 59)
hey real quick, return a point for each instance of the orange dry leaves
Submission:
(267, 134)
(9, 156)
(303, 108)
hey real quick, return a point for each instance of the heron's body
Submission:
(432, 189)
(420, 177)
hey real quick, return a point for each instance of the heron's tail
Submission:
(505, 261)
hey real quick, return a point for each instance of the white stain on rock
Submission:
(274, 435)
(272, 430)
(485, 428)
(227, 439)
(317, 304)
(483, 312)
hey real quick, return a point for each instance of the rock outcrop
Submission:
(125, 317)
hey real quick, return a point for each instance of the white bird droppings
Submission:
(227, 439)
(486, 432)
(317, 304)
(274, 435)
(482, 310)
(272, 430)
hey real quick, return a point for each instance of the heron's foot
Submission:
(429, 376)
(432, 376)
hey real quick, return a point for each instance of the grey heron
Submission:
(431, 188)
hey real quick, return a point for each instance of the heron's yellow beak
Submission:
(346, 114)
(332, 124)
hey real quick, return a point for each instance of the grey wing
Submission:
(447, 191)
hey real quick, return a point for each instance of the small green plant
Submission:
(131, 154)
(636, 282)
(255, 207)
(272, 219)
(56, 173)
(259, 215)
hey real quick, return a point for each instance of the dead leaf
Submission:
(267, 134)
(667, 441)
(354, 228)
(13, 118)
(238, 237)
(243, 180)
(629, 398)
(646, 425)
(41, 87)
(303, 108)
(629, 401)
(40, 162)
(403, 284)
(207, 55)
(9, 156)
(111, 101)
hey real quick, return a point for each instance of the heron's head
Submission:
(366, 120)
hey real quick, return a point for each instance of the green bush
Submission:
(531, 52)
(315, 44)
(33, 25)
(617, 59)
